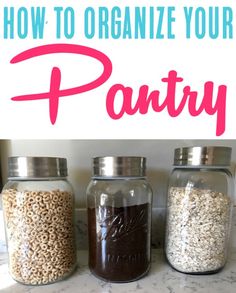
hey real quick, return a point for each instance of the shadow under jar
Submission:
(38, 206)
(199, 210)
(119, 203)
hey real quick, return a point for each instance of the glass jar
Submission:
(199, 209)
(38, 207)
(119, 203)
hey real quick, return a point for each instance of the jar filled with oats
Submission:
(119, 219)
(199, 210)
(38, 206)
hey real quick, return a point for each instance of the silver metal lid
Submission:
(204, 155)
(36, 167)
(119, 167)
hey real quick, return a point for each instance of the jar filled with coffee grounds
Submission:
(38, 206)
(119, 203)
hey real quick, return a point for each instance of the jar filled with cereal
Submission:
(38, 207)
(199, 209)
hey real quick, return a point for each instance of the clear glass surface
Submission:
(40, 232)
(199, 210)
(119, 225)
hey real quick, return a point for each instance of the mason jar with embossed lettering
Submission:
(119, 202)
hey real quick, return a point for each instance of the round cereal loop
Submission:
(44, 237)
(38, 198)
(36, 227)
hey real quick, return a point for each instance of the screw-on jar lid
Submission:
(36, 167)
(119, 166)
(206, 155)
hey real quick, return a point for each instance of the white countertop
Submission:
(161, 278)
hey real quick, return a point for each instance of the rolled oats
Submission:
(197, 231)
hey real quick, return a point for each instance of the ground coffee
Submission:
(119, 242)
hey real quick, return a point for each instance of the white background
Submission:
(135, 62)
